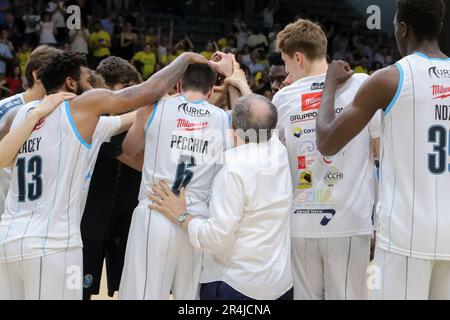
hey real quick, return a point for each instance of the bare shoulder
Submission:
(380, 88)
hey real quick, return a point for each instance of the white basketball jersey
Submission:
(8, 110)
(107, 126)
(333, 196)
(185, 143)
(42, 210)
(414, 204)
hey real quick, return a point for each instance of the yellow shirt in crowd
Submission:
(23, 57)
(149, 62)
(94, 40)
(207, 54)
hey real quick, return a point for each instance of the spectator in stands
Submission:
(5, 57)
(148, 59)
(57, 12)
(100, 44)
(375, 66)
(242, 36)
(108, 23)
(360, 62)
(211, 48)
(79, 40)
(151, 36)
(48, 30)
(268, 15)
(253, 64)
(128, 40)
(257, 39)
(22, 57)
(13, 81)
(5, 6)
(32, 25)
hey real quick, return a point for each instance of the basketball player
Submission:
(333, 202)
(413, 246)
(183, 137)
(11, 105)
(40, 241)
(113, 191)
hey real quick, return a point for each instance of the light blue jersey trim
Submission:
(155, 108)
(399, 88)
(423, 55)
(74, 128)
(194, 102)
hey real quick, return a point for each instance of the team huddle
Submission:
(329, 123)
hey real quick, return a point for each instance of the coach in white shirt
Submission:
(246, 240)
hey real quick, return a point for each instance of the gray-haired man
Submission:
(247, 237)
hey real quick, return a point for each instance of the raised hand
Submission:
(222, 63)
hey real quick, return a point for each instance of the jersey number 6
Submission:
(184, 175)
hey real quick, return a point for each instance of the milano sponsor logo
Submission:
(311, 101)
(187, 125)
(442, 111)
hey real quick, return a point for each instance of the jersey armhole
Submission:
(74, 128)
(155, 108)
(399, 88)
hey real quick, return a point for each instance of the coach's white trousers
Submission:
(330, 269)
(54, 277)
(159, 260)
(397, 277)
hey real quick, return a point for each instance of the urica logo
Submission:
(311, 101)
(186, 125)
(193, 111)
(439, 73)
(440, 92)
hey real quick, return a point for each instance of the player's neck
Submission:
(430, 48)
(314, 68)
(33, 94)
(193, 96)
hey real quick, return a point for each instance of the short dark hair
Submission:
(38, 58)
(199, 77)
(251, 127)
(116, 70)
(60, 66)
(425, 17)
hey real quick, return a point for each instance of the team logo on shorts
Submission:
(87, 281)
(305, 181)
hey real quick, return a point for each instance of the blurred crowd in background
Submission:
(152, 34)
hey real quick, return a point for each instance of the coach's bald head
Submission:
(254, 118)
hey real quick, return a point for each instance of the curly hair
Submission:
(425, 17)
(59, 67)
(116, 70)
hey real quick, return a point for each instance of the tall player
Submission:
(183, 137)
(40, 241)
(413, 247)
(331, 217)
(11, 105)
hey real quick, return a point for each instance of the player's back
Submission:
(331, 198)
(184, 146)
(42, 213)
(414, 205)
